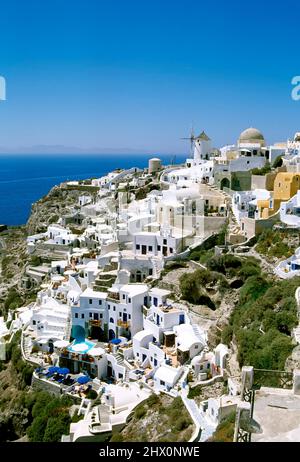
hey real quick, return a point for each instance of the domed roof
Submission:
(251, 135)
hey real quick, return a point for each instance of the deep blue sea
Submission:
(26, 178)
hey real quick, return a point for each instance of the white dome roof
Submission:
(251, 135)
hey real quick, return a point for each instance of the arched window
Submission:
(111, 320)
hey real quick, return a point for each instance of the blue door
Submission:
(111, 334)
(181, 319)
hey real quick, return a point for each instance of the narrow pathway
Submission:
(198, 418)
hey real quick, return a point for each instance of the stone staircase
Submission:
(198, 332)
(198, 418)
(119, 359)
(156, 270)
(105, 281)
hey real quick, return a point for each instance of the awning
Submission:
(83, 379)
(63, 370)
(61, 343)
(53, 369)
(116, 341)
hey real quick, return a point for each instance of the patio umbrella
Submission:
(63, 370)
(53, 369)
(83, 379)
(116, 341)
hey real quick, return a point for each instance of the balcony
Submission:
(95, 322)
(124, 324)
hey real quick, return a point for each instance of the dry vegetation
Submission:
(159, 419)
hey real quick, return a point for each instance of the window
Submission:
(108, 307)
(129, 300)
(76, 315)
(158, 248)
(34, 322)
(114, 308)
(90, 301)
(82, 315)
(111, 320)
(101, 315)
(150, 271)
(120, 315)
(171, 250)
(150, 248)
(129, 316)
(138, 247)
(123, 296)
(90, 315)
(96, 316)
(165, 241)
(162, 383)
(100, 302)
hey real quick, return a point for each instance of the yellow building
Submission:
(286, 185)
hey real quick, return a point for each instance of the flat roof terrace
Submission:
(278, 413)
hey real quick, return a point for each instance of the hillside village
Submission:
(146, 287)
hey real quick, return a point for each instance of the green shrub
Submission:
(92, 394)
(139, 412)
(277, 162)
(263, 170)
(225, 430)
(51, 418)
(117, 438)
(181, 424)
(227, 333)
(35, 260)
(262, 322)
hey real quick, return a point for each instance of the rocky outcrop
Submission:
(59, 201)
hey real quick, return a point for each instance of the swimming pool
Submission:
(81, 347)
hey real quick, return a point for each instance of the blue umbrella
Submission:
(116, 341)
(63, 370)
(83, 379)
(53, 369)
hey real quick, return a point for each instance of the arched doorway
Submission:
(111, 334)
(78, 333)
(96, 333)
(51, 346)
(138, 276)
(225, 183)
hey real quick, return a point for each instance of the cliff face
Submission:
(59, 201)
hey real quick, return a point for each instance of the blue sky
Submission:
(137, 74)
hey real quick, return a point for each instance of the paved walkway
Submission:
(198, 418)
